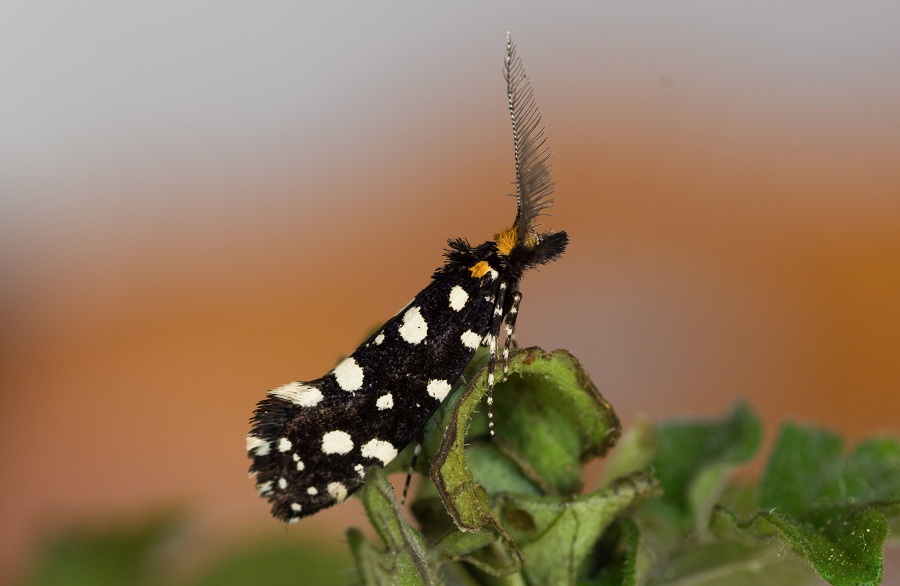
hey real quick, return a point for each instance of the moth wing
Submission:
(311, 442)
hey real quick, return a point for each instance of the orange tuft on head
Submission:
(480, 269)
(506, 240)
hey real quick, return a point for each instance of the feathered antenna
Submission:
(534, 186)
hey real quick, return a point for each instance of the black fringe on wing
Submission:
(534, 186)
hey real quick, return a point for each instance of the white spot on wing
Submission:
(337, 491)
(264, 488)
(257, 445)
(349, 375)
(360, 469)
(296, 507)
(385, 401)
(284, 445)
(336, 442)
(282, 483)
(311, 491)
(379, 339)
(414, 328)
(379, 450)
(458, 298)
(298, 394)
(470, 339)
(438, 389)
(494, 275)
(300, 464)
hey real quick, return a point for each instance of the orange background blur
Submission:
(201, 203)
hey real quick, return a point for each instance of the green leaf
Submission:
(732, 561)
(430, 512)
(799, 475)
(807, 470)
(369, 559)
(404, 559)
(549, 420)
(505, 509)
(621, 557)
(496, 471)
(845, 547)
(465, 500)
(486, 549)
(556, 534)
(635, 451)
(695, 459)
(831, 509)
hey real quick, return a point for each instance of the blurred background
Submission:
(201, 201)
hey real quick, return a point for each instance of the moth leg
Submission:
(412, 468)
(516, 299)
(493, 333)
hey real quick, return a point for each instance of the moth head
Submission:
(536, 248)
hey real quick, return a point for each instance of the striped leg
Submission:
(510, 330)
(412, 468)
(493, 333)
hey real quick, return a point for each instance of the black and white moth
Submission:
(311, 442)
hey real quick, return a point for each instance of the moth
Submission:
(311, 442)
